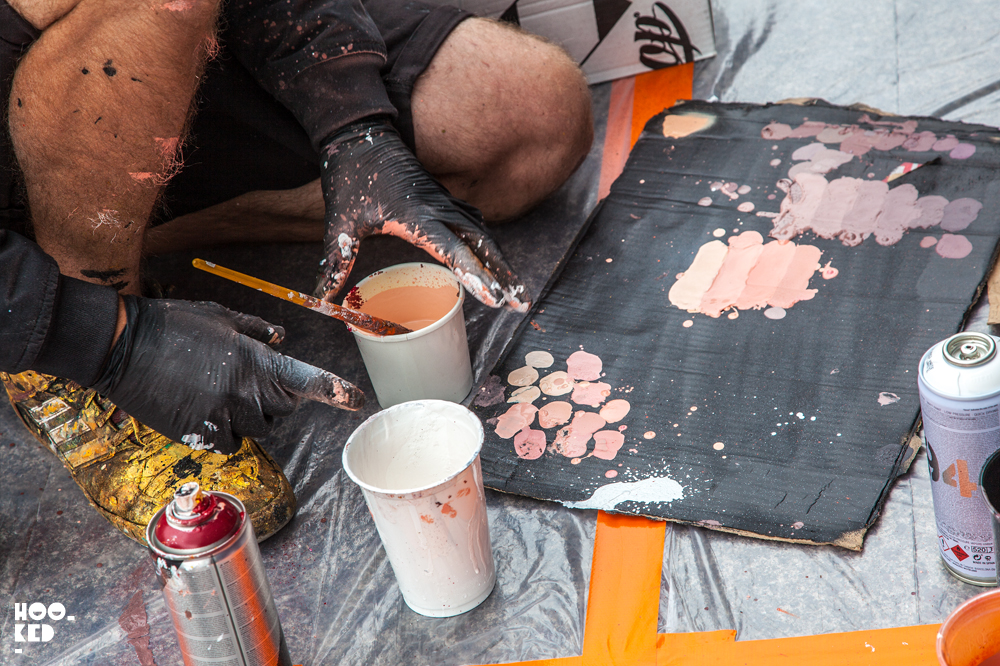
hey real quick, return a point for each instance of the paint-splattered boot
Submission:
(127, 470)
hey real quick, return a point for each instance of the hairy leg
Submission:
(501, 117)
(97, 115)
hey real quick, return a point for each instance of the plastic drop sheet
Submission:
(333, 588)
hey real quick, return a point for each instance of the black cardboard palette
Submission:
(790, 429)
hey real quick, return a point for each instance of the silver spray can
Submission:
(213, 581)
(959, 382)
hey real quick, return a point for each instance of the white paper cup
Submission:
(429, 363)
(418, 466)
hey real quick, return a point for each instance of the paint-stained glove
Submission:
(373, 184)
(202, 374)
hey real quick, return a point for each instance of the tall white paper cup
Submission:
(418, 466)
(429, 363)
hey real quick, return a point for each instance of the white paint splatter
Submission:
(346, 243)
(196, 442)
(656, 490)
(775, 313)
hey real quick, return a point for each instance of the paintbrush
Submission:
(365, 322)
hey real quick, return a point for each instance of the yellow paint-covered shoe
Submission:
(127, 470)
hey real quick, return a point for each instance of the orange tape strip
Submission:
(906, 646)
(616, 136)
(659, 90)
(624, 596)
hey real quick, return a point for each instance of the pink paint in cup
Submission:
(433, 361)
(418, 467)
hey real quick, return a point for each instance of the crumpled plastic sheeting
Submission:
(334, 591)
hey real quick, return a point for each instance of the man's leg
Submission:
(97, 115)
(501, 117)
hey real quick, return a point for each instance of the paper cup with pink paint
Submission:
(433, 361)
(418, 466)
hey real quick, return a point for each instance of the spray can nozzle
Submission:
(186, 498)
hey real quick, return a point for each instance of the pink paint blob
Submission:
(745, 207)
(962, 151)
(572, 440)
(928, 241)
(886, 398)
(946, 144)
(731, 278)
(829, 272)
(687, 323)
(581, 365)
(953, 246)
(554, 414)
(648, 434)
(743, 189)
(960, 213)
(519, 416)
(607, 443)
(920, 142)
(776, 132)
(705, 201)
(611, 473)
(615, 410)
(591, 394)
(798, 525)
(556, 383)
(529, 444)
(794, 284)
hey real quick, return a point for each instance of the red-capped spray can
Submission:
(959, 382)
(213, 581)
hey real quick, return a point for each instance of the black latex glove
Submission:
(202, 374)
(373, 184)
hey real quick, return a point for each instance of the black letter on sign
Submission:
(663, 48)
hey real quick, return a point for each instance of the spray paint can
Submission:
(959, 383)
(213, 581)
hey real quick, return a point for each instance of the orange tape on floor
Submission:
(617, 134)
(624, 597)
(659, 90)
(906, 646)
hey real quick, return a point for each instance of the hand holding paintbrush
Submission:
(361, 320)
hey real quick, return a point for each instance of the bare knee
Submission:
(502, 117)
